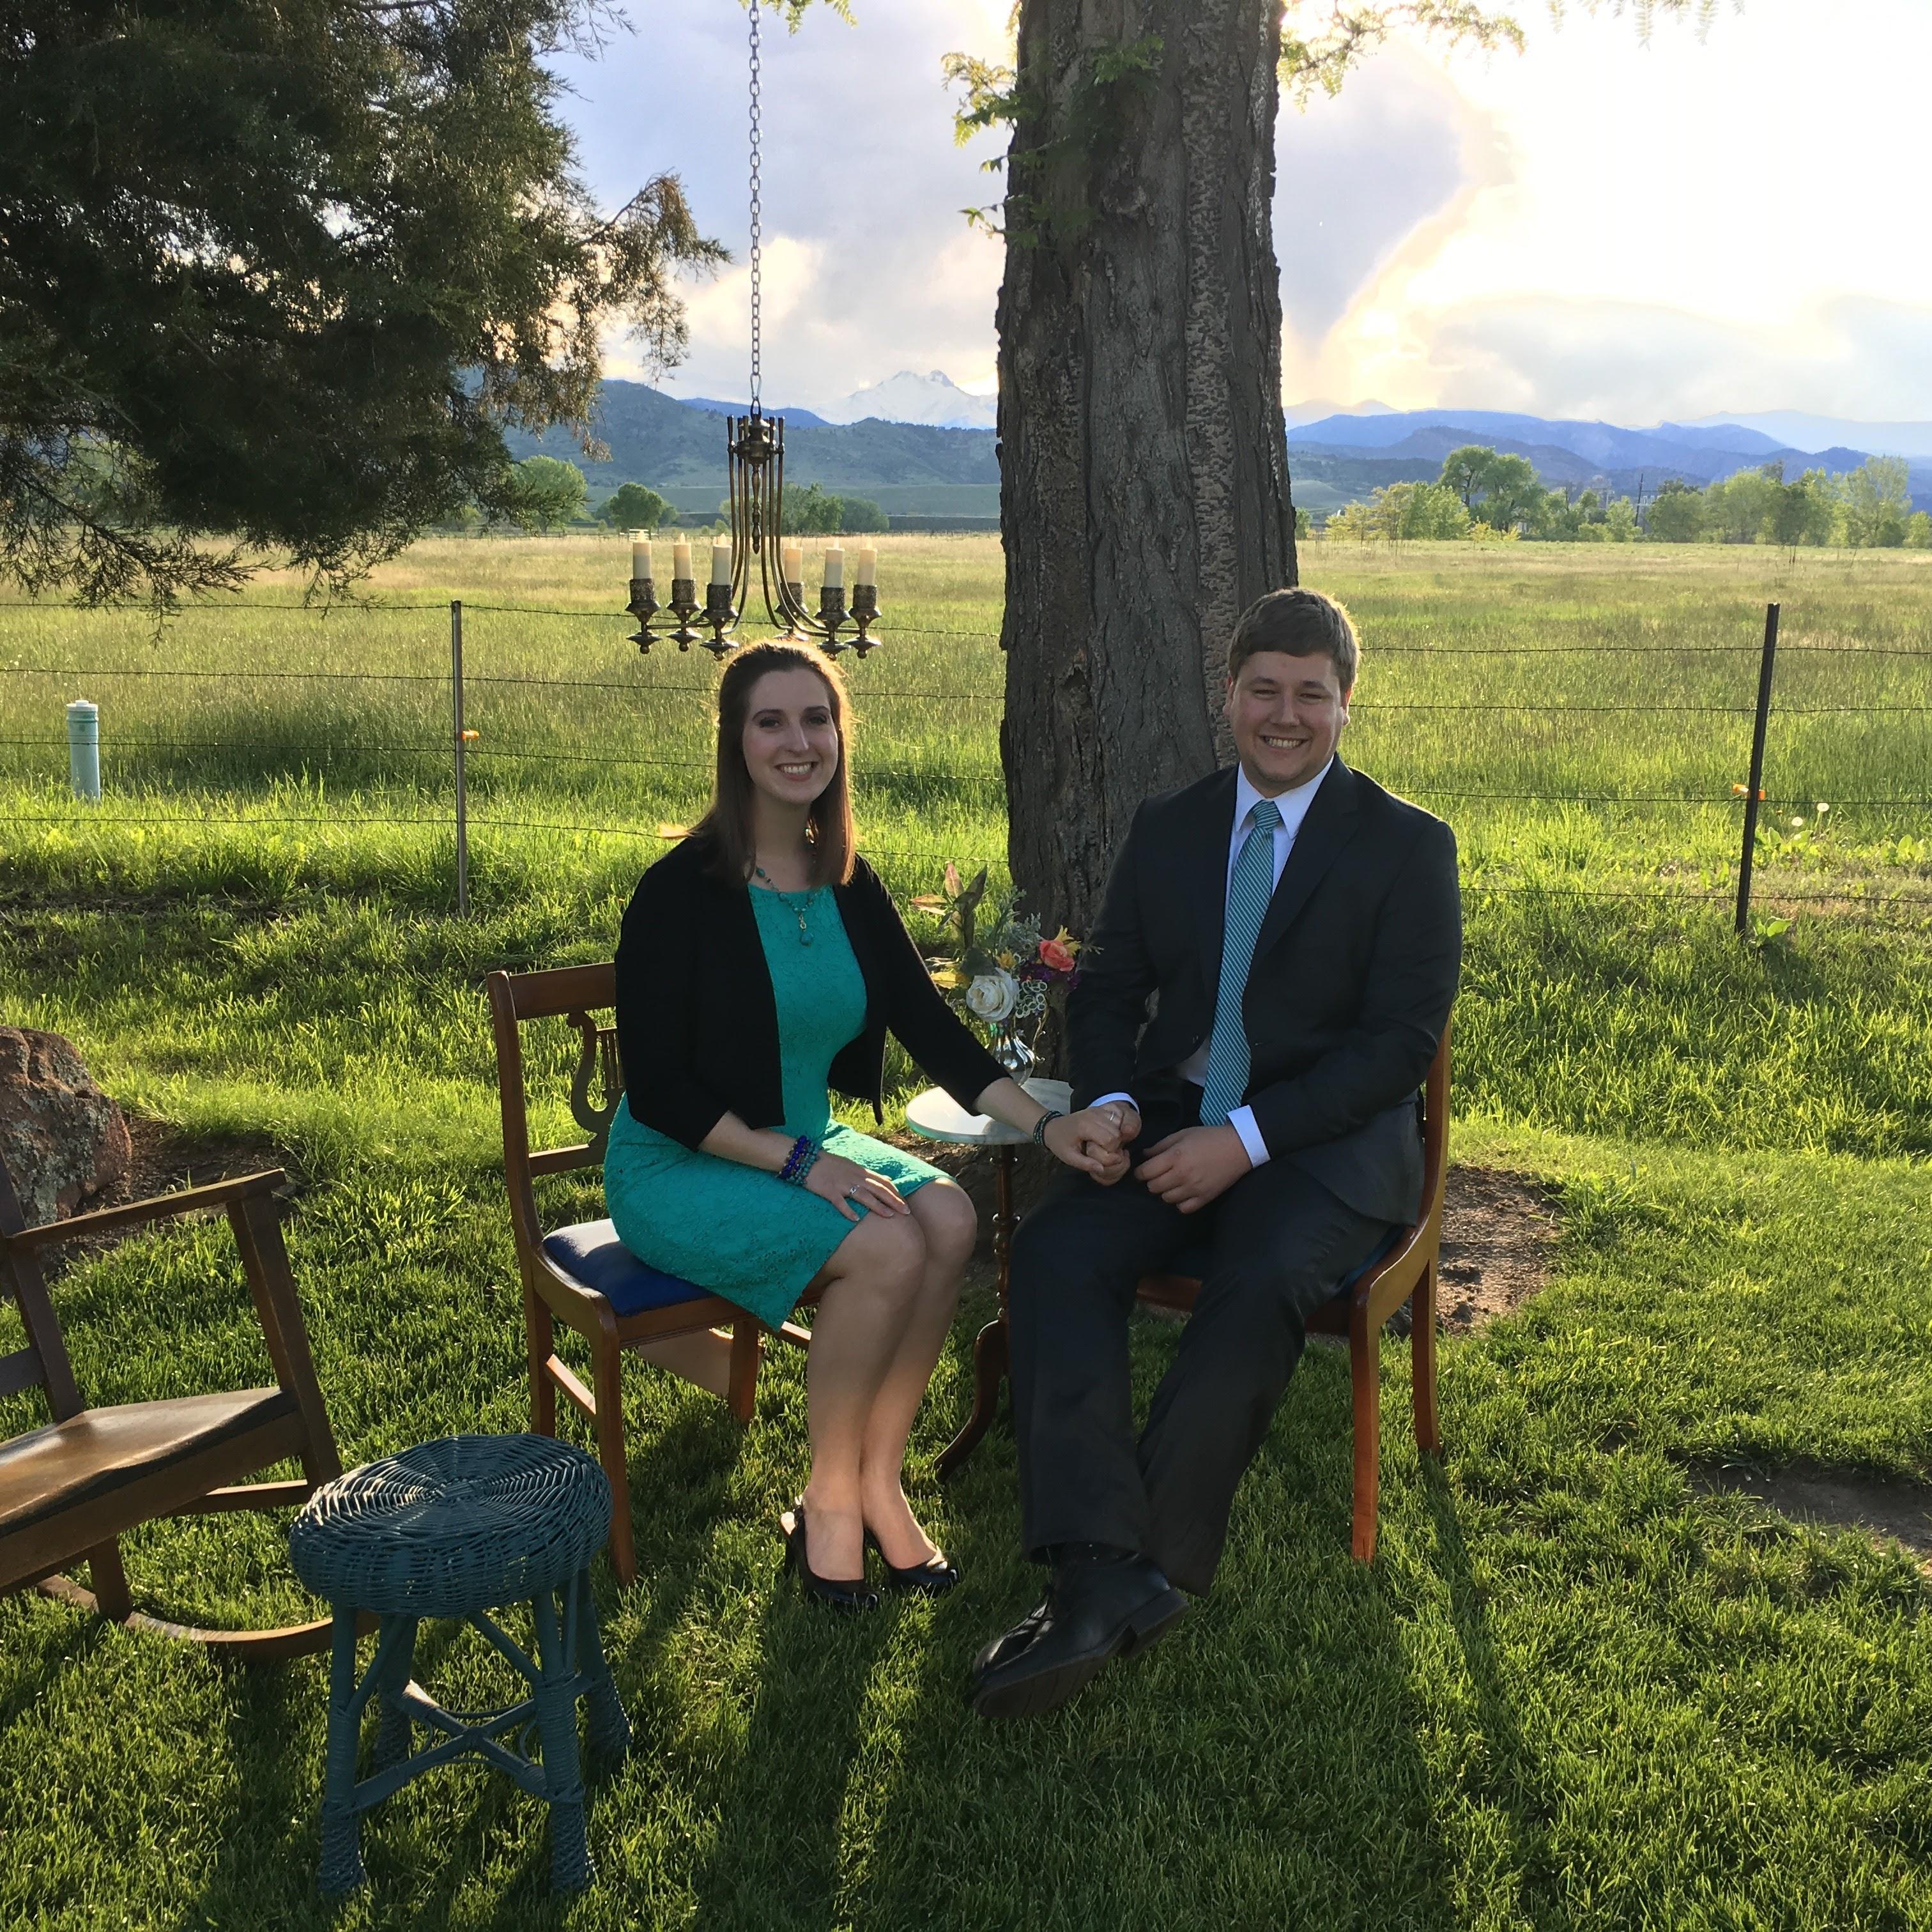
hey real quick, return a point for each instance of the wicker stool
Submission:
(453, 1529)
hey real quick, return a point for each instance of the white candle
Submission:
(793, 565)
(640, 554)
(680, 552)
(866, 570)
(834, 567)
(720, 563)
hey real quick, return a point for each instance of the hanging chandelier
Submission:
(756, 547)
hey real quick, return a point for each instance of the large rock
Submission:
(64, 1141)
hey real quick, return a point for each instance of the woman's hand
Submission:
(1092, 1141)
(843, 1182)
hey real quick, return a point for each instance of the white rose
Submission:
(993, 995)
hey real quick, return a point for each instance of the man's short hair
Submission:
(1304, 624)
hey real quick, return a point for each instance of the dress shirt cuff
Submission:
(1242, 1120)
(1105, 1097)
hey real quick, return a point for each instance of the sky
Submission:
(1705, 225)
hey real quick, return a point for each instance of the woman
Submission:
(762, 961)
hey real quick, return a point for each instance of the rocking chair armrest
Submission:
(160, 1207)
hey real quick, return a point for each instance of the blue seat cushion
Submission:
(590, 1253)
(1194, 1262)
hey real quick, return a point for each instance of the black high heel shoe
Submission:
(932, 1578)
(840, 1594)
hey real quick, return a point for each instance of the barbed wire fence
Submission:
(460, 743)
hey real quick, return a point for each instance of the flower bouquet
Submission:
(1005, 969)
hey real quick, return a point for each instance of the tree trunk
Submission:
(1143, 464)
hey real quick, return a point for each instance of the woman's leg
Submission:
(946, 1216)
(872, 1284)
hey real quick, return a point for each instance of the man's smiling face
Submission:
(1287, 715)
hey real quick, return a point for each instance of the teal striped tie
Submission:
(1248, 892)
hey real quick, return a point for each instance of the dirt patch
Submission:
(1499, 1233)
(1873, 1505)
(166, 1159)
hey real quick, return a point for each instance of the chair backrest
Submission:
(1436, 1129)
(578, 994)
(43, 1363)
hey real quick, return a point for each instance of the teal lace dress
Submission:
(736, 1230)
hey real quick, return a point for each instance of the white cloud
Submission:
(1595, 227)
(865, 245)
(1595, 358)
(1690, 226)
(1357, 176)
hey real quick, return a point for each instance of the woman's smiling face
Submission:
(791, 741)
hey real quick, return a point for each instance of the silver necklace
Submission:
(794, 903)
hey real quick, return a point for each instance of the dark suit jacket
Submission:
(1351, 985)
(697, 1026)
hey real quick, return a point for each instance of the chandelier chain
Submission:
(757, 224)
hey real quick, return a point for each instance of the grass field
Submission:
(1577, 1688)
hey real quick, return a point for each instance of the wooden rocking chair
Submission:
(68, 1490)
(583, 1276)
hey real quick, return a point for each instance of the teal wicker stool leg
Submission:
(341, 1840)
(394, 1737)
(563, 1782)
(609, 1729)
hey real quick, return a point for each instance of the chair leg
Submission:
(609, 1729)
(539, 1343)
(607, 1372)
(341, 1837)
(111, 1595)
(747, 1346)
(563, 1781)
(394, 1736)
(1422, 1365)
(1365, 1376)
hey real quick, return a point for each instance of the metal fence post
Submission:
(1756, 788)
(462, 802)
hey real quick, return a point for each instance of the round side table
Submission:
(936, 1116)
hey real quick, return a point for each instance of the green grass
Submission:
(1576, 1689)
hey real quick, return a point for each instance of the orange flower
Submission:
(1053, 953)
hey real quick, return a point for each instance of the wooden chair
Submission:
(1406, 1272)
(68, 1490)
(583, 1275)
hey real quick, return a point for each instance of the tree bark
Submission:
(1143, 459)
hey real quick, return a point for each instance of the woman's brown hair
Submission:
(727, 826)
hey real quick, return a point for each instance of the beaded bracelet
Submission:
(798, 1163)
(1039, 1126)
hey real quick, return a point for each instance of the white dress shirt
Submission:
(1293, 805)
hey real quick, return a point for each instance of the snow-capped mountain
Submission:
(907, 397)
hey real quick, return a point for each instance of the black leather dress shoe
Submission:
(1094, 1612)
(1008, 1644)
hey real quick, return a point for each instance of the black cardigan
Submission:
(697, 1022)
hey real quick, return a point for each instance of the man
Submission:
(1272, 971)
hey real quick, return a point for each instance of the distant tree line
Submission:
(546, 493)
(1869, 508)
(812, 511)
(1485, 494)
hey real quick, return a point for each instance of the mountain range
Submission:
(677, 446)
(934, 399)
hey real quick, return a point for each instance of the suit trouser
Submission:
(1282, 1243)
